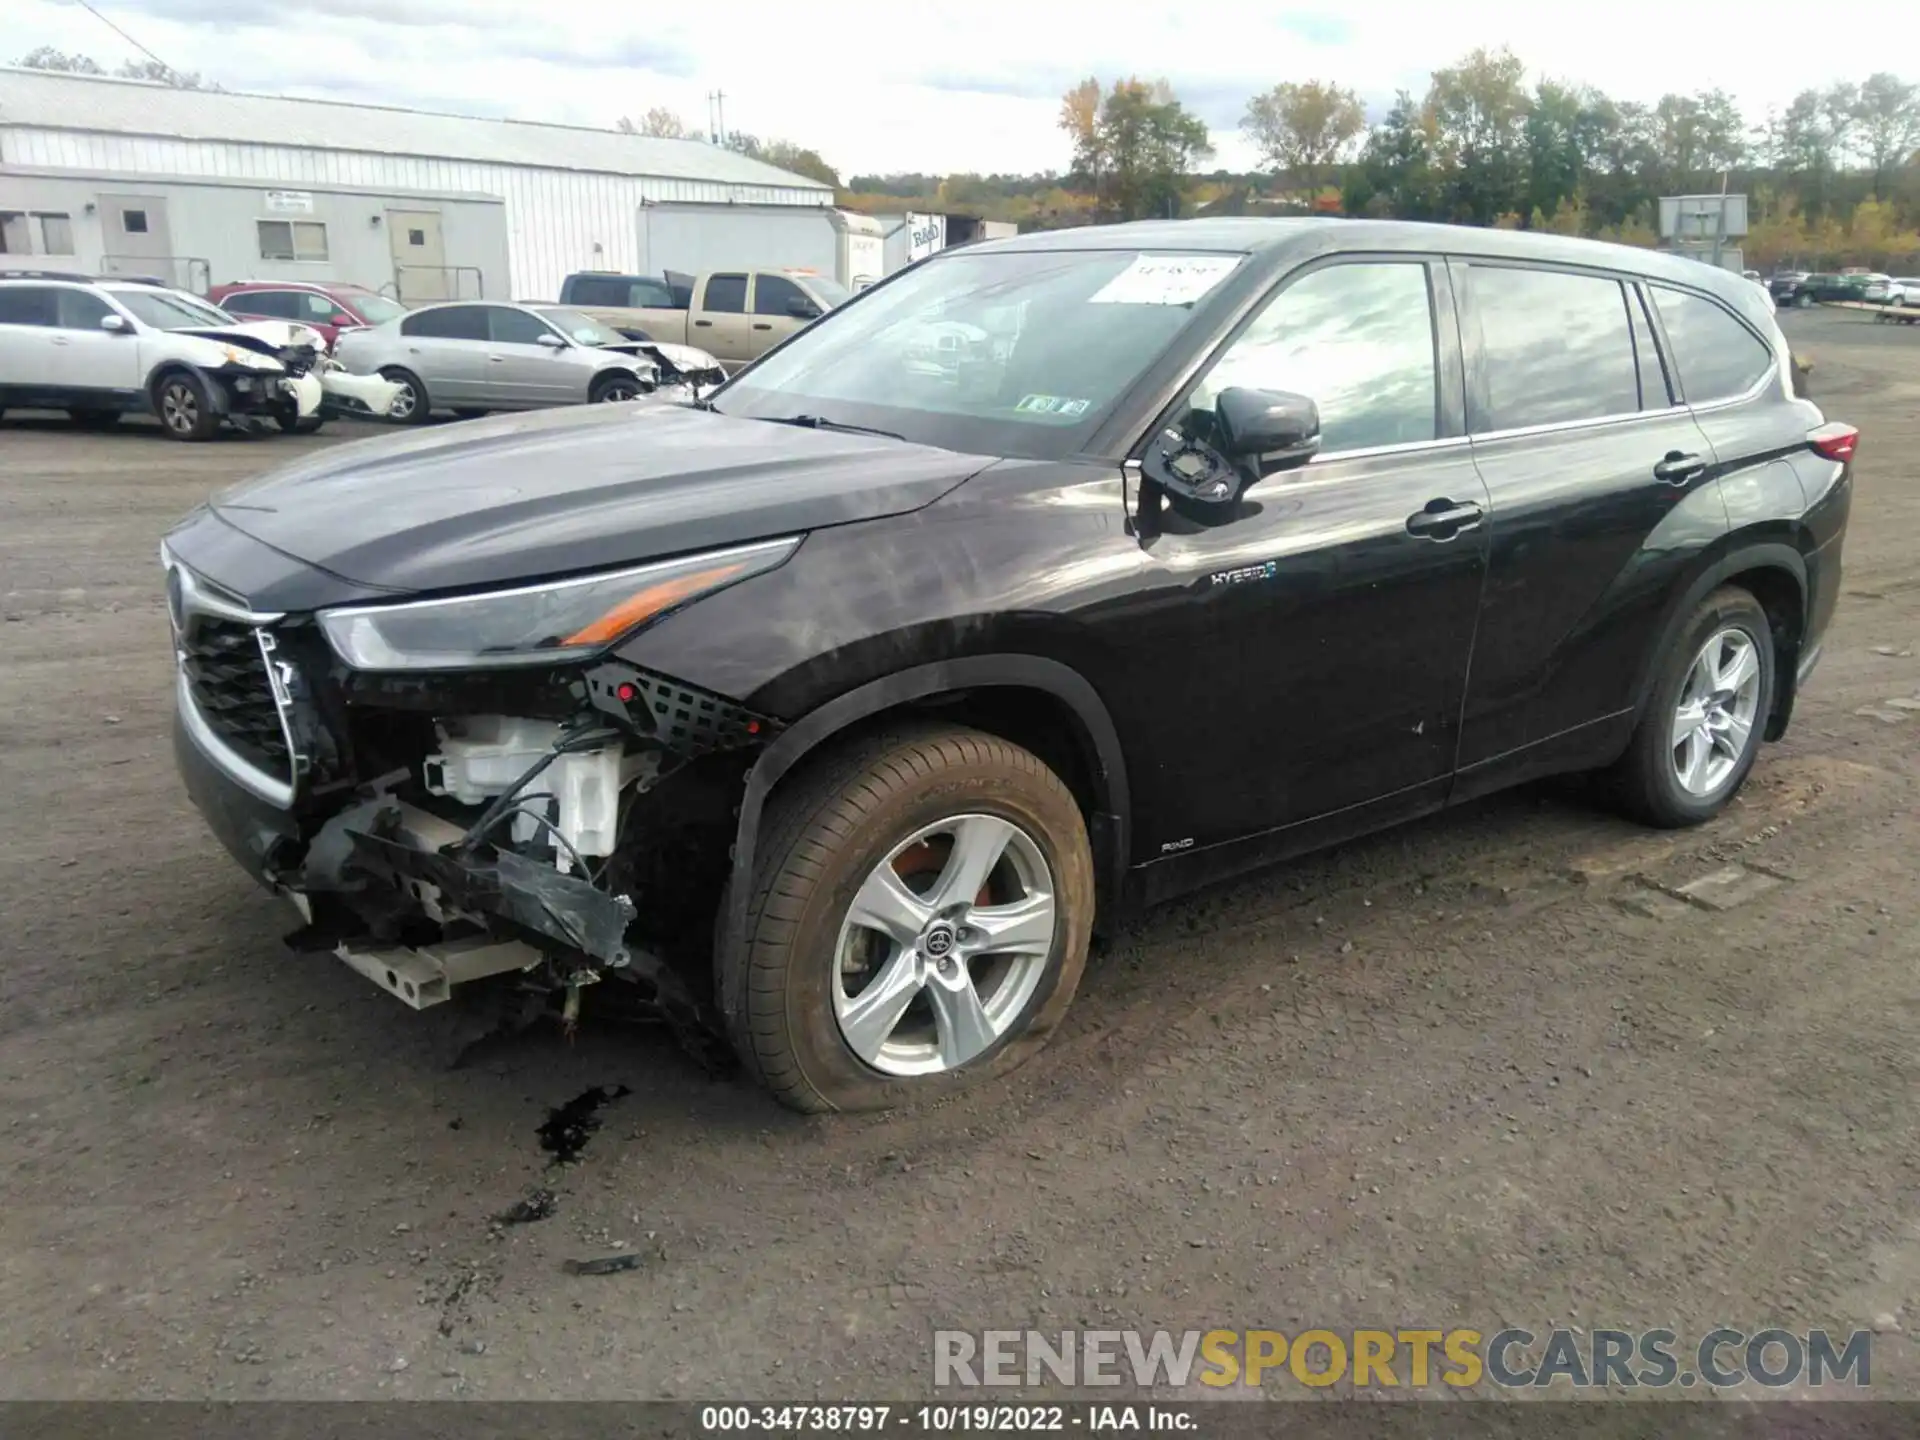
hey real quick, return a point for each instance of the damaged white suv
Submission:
(100, 349)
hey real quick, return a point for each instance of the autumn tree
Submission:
(1479, 108)
(156, 71)
(1138, 147)
(1300, 129)
(1398, 172)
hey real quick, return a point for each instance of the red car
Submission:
(327, 308)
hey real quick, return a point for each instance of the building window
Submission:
(292, 240)
(56, 232)
(134, 222)
(13, 233)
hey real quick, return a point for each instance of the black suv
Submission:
(1051, 576)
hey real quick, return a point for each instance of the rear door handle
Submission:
(703, 324)
(497, 359)
(1678, 468)
(762, 325)
(1443, 519)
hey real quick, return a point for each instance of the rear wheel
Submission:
(412, 406)
(186, 412)
(1697, 740)
(918, 922)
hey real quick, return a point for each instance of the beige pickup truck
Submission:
(734, 315)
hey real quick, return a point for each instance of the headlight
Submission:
(536, 624)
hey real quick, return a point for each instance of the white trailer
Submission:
(700, 238)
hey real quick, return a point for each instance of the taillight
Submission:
(1834, 441)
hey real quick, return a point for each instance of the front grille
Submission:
(227, 677)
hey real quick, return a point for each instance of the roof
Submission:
(53, 100)
(1308, 236)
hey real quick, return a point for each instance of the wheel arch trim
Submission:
(972, 672)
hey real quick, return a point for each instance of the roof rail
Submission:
(12, 274)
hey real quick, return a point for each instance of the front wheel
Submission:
(1701, 731)
(182, 403)
(291, 421)
(918, 921)
(614, 390)
(412, 406)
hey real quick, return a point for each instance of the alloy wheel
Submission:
(1719, 702)
(944, 945)
(618, 391)
(179, 407)
(403, 402)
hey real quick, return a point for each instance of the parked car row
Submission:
(1801, 288)
(102, 347)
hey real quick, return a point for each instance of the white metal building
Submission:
(214, 186)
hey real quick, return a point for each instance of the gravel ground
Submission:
(1482, 1070)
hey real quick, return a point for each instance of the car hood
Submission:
(275, 334)
(521, 497)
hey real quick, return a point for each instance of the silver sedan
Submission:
(474, 356)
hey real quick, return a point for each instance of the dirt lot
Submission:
(1485, 1070)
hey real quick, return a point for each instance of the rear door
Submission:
(523, 372)
(1602, 493)
(28, 317)
(718, 321)
(447, 347)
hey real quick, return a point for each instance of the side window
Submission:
(598, 290)
(13, 233)
(56, 232)
(776, 295)
(1716, 355)
(653, 295)
(26, 305)
(1654, 391)
(727, 294)
(1556, 348)
(291, 239)
(1358, 340)
(448, 322)
(318, 307)
(515, 327)
(262, 302)
(79, 310)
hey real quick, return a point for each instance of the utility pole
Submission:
(717, 116)
(1720, 227)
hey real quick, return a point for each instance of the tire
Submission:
(186, 412)
(95, 419)
(292, 422)
(1648, 777)
(614, 389)
(1803, 301)
(468, 414)
(860, 812)
(413, 406)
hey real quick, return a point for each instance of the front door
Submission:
(1307, 651)
(718, 321)
(92, 363)
(419, 256)
(136, 239)
(1603, 494)
(520, 371)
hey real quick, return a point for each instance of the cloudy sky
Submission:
(906, 86)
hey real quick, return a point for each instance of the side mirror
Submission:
(803, 309)
(1275, 429)
(113, 324)
(551, 341)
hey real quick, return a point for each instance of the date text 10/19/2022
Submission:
(945, 1419)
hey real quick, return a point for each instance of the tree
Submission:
(659, 121)
(1564, 130)
(1810, 143)
(1138, 148)
(1479, 107)
(1396, 175)
(160, 73)
(1887, 115)
(785, 155)
(1300, 129)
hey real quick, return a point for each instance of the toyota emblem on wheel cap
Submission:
(939, 941)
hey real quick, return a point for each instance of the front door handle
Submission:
(1443, 519)
(762, 325)
(1678, 468)
(703, 324)
(496, 359)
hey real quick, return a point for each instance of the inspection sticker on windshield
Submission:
(1052, 405)
(1165, 280)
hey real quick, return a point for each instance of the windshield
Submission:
(581, 329)
(828, 292)
(164, 310)
(375, 309)
(994, 353)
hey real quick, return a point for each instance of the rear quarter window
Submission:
(1717, 356)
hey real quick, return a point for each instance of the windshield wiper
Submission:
(820, 422)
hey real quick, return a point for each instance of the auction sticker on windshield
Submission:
(1052, 405)
(1165, 280)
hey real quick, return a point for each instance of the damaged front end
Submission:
(267, 379)
(553, 822)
